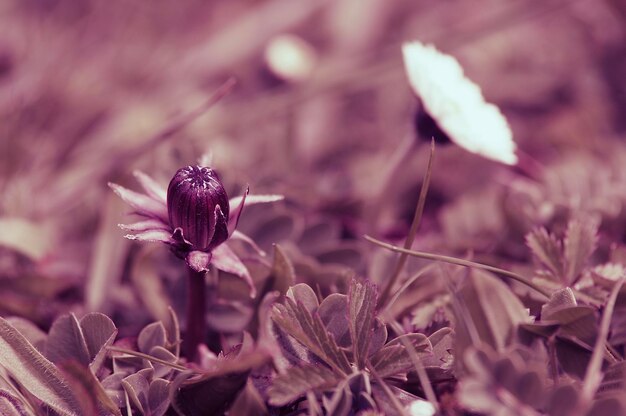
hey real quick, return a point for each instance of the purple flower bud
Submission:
(197, 204)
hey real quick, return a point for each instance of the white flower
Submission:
(421, 408)
(457, 104)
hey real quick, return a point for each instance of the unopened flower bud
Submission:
(197, 204)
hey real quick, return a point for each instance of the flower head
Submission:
(457, 104)
(193, 216)
(197, 204)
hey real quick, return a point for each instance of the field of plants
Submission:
(312, 207)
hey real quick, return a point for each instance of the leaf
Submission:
(465, 224)
(136, 386)
(82, 379)
(562, 298)
(529, 332)
(309, 330)
(145, 277)
(564, 401)
(345, 253)
(229, 317)
(30, 331)
(297, 381)
(577, 321)
(84, 341)
(385, 402)
(334, 314)
(109, 254)
(547, 250)
(394, 359)
(212, 392)
(249, 402)
(152, 335)
(442, 345)
(34, 372)
(225, 259)
(172, 328)
(158, 397)
(161, 370)
(99, 332)
(67, 342)
(316, 236)
(31, 239)
(489, 308)
(573, 356)
(282, 274)
(279, 228)
(11, 405)
(303, 293)
(579, 243)
(212, 396)
(609, 406)
(501, 383)
(362, 298)
(614, 381)
(112, 385)
(340, 403)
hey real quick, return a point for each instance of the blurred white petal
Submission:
(152, 187)
(145, 226)
(421, 408)
(290, 58)
(457, 104)
(32, 239)
(256, 199)
(151, 235)
(143, 205)
(206, 159)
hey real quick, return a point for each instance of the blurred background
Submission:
(92, 90)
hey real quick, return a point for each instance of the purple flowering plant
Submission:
(194, 217)
(486, 279)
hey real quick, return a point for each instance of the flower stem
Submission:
(461, 262)
(196, 308)
(419, 210)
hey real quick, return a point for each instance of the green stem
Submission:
(196, 309)
(148, 357)
(417, 217)
(460, 262)
(593, 375)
